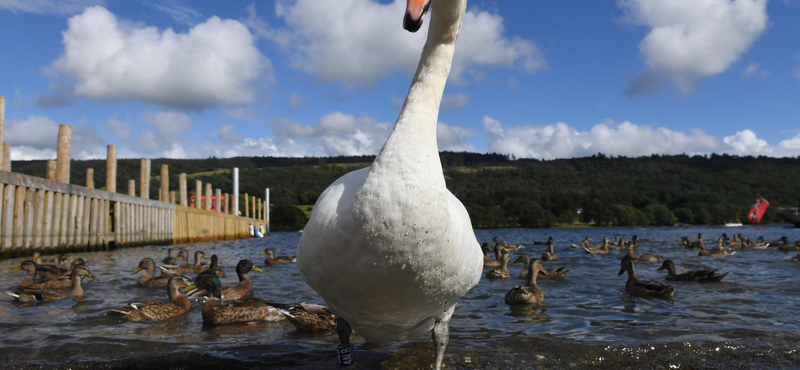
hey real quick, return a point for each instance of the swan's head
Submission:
(415, 14)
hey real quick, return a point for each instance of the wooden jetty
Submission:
(52, 215)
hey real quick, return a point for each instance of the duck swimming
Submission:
(553, 273)
(177, 305)
(530, 293)
(502, 272)
(280, 260)
(218, 312)
(196, 268)
(45, 295)
(694, 275)
(646, 257)
(643, 288)
(149, 280)
(550, 253)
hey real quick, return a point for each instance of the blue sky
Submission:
(533, 78)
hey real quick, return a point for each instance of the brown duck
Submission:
(553, 273)
(280, 260)
(528, 294)
(155, 310)
(502, 272)
(694, 275)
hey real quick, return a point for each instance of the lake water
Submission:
(751, 319)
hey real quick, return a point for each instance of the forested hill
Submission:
(500, 192)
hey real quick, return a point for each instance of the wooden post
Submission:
(9, 194)
(51, 170)
(19, 216)
(172, 197)
(63, 153)
(182, 189)
(67, 236)
(111, 169)
(218, 201)
(246, 205)
(30, 199)
(132, 188)
(254, 208)
(47, 232)
(207, 206)
(164, 183)
(7, 157)
(90, 178)
(198, 192)
(227, 204)
(267, 201)
(144, 179)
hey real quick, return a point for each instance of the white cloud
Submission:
(37, 138)
(241, 112)
(453, 138)
(111, 59)
(296, 101)
(754, 70)
(48, 6)
(692, 39)
(120, 130)
(179, 13)
(454, 101)
(334, 134)
(624, 139)
(227, 136)
(358, 42)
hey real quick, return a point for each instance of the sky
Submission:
(531, 78)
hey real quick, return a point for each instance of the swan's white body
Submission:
(388, 247)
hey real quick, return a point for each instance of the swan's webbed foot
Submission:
(441, 336)
(347, 356)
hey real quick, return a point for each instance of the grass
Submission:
(306, 209)
(209, 173)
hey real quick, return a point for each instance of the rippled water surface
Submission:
(749, 320)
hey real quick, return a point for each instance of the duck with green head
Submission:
(218, 312)
(46, 295)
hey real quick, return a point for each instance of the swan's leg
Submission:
(441, 336)
(344, 349)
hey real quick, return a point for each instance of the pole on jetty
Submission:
(218, 201)
(164, 183)
(198, 192)
(7, 157)
(51, 170)
(182, 189)
(227, 204)
(111, 169)
(236, 191)
(144, 179)
(267, 203)
(63, 153)
(172, 197)
(2, 122)
(132, 188)
(207, 205)
(90, 178)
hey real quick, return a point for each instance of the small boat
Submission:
(733, 224)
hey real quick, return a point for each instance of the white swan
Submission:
(388, 247)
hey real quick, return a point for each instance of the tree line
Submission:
(501, 192)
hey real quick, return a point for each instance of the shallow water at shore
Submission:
(748, 320)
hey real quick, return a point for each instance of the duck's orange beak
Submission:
(415, 14)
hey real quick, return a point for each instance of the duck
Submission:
(645, 258)
(783, 245)
(411, 236)
(549, 241)
(47, 271)
(37, 257)
(584, 243)
(611, 245)
(550, 253)
(528, 294)
(177, 305)
(280, 260)
(168, 259)
(149, 280)
(497, 260)
(60, 282)
(694, 275)
(219, 312)
(690, 244)
(510, 247)
(718, 252)
(602, 249)
(214, 264)
(46, 295)
(502, 272)
(643, 288)
(310, 317)
(750, 243)
(553, 273)
(245, 286)
(184, 267)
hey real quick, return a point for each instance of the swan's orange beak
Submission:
(415, 14)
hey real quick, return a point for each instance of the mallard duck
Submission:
(784, 245)
(549, 241)
(46, 295)
(553, 273)
(550, 253)
(37, 257)
(48, 271)
(60, 282)
(646, 257)
(497, 260)
(603, 249)
(149, 279)
(750, 243)
(584, 243)
(196, 268)
(215, 265)
(643, 288)
(779, 241)
(690, 244)
(530, 292)
(156, 311)
(694, 275)
(245, 286)
(218, 312)
(29, 280)
(310, 317)
(718, 252)
(511, 247)
(168, 260)
(502, 272)
(280, 260)
(611, 245)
